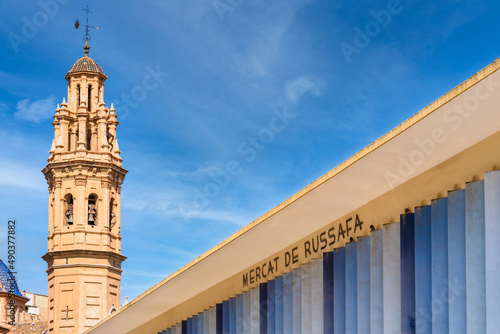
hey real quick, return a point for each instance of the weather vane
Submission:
(86, 37)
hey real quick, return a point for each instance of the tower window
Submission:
(112, 215)
(69, 209)
(78, 95)
(89, 98)
(69, 139)
(92, 210)
(89, 140)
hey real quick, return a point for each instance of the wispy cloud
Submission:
(37, 110)
(295, 89)
(17, 175)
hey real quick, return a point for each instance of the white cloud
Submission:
(296, 88)
(36, 111)
(17, 175)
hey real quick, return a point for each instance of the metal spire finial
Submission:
(86, 36)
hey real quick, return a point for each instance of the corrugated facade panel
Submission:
(339, 291)
(456, 262)
(279, 302)
(317, 296)
(213, 320)
(201, 323)
(475, 258)
(271, 307)
(224, 317)
(232, 315)
(407, 247)
(377, 282)
(288, 303)
(247, 309)
(239, 314)
(351, 287)
(392, 278)
(297, 301)
(492, 249)
(363, 285)
(423, 270)
(439, 258)
(328, 292)
(306, 303)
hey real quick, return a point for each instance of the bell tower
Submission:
(84, 174)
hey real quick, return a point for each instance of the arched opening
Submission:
(99, 95)
(112, 310)
(92, 210)
(68, 213)
(112, 215)
(78, 95)
(89, 98)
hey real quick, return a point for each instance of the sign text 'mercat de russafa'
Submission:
(310, 247)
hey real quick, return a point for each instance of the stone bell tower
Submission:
(84, 174)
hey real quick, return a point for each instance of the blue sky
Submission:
(254, 100)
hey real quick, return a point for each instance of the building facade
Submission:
(84, 174)
(400, 238)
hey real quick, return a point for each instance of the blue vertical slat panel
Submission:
(219, 309)
(363, 285)
(297, 300)
(351, 287)
(255, 310)
(278, 304)
(232, 315)
(271, 307)
(206, 322)
(306, 298)
(475, 258)
(263, 306)
(189, 326)
(423, 272)
(439, 254)
(407, 249)
(178, 328)
(184, 325)
(339, 290)
(456, 262)
(392, 278)
(376, 282)
(201, 323)
(247, 304)
(213, 320)
(226, 316)
(194, 324)
(239, 314)
(492, 249)
(288, 303)
(317, 296)
(328, 293)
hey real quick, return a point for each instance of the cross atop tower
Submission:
(86, 36)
